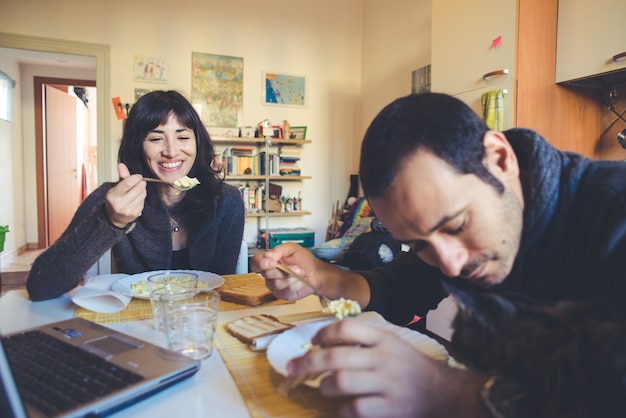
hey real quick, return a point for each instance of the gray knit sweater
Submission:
(214, 244)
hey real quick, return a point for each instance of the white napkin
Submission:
(261, 343)
(96, 295)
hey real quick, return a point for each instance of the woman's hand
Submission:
(381, 375)
(124, 201)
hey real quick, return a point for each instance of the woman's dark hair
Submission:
(440, 123)
(152, 110)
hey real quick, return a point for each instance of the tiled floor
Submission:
(13, 275)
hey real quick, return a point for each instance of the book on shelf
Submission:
(290, 151)
(289, 161)
(273, 163)
(240, 161)
(252, 196)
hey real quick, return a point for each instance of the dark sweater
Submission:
(214, 243)
(573, 243)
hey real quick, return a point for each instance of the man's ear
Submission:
(500, 158)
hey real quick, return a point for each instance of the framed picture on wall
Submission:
(150, 69)
(284, 90)
(297, 132)
(217, 89)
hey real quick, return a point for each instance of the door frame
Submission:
(40, 151)
(102, 54)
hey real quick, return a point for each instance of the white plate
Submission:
(289, 344)
(123, 286)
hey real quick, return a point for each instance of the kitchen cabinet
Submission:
(465, 46)
(473, 51)
(591, 39)
(463, 51)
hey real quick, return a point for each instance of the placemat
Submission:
(139, 309)
(257, 381)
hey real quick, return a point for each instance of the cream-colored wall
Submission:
(396, 41)
(357, 56)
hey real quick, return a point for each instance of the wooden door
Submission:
(62, 172)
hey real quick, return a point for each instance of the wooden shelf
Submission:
(261, 144)
(262, 178)
(277, 214)
(275, 141)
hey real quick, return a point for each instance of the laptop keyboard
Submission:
(54, 376)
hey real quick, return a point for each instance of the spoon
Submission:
(323, 299)
(179, 187)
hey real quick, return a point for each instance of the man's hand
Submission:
(294, 256)
(124, 201)
(332, 281)
(381, 375)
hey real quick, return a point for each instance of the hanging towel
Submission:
(493, 108)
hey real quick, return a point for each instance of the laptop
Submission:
(114, 370)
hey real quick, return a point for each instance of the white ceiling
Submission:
(24, 56)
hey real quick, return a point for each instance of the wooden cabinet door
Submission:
(62, 179)
(590, 34)
(463, 47)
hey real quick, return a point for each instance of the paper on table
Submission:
(261, 343)
(96, 295)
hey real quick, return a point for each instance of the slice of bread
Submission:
(249, 328)
(251, 294)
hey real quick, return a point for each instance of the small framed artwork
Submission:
(140, 92)
(150, 69)
(278, 132)
(297, 132)
(420, 80)
(284, 90)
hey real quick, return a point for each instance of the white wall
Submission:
(357, 56)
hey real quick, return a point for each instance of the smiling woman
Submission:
(151, 226)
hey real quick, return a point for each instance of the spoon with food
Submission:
(341, 307)
(181, 184)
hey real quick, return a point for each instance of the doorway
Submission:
(23, 217)
(65, 148)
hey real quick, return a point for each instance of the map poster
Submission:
(284, 89)
(217, 89)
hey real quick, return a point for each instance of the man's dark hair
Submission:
(152, 110)
(437, 122)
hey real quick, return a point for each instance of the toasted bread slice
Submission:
(248, 328)
(251, 294)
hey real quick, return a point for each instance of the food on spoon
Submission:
(343, 307)
(186, 183)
